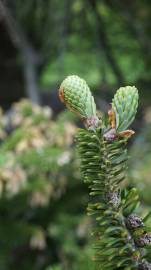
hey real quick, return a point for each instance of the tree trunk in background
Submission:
(104, 43)
(30, 75)
(28, 55)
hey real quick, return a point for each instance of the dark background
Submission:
(42, 205)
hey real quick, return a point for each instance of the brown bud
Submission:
(126, 133)
(133, 221)
(114, 198)
(144, 266)
(143, 240)
(91, 122)
(110, 135)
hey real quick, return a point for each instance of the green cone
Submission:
(75, 93)
(125, 103)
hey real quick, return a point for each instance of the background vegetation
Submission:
(43, 225)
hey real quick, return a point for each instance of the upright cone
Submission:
(75, 93)
(124, 104)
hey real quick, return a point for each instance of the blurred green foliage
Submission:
(102, 41)
(140, 167)
(42, 216)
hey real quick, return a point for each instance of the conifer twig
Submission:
(120, 236)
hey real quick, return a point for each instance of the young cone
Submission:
(124, 104)
(75, 93)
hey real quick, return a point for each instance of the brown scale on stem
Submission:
(112, 134)
(61, 94)
(112, 118)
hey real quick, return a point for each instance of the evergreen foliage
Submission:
(121, 240)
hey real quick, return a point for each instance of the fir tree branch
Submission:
(120, 236)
